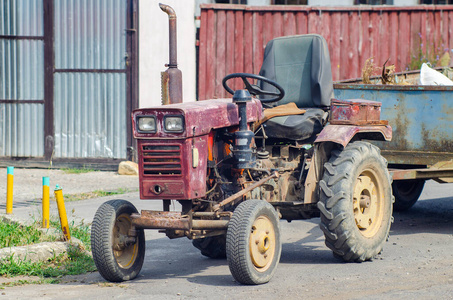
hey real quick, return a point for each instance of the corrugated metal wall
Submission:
(233, 37)
(90, 78)
(21, 78)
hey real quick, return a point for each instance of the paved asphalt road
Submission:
(417, 263)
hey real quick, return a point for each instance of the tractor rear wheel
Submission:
(253, 245)
(117, 255)
(356, 202)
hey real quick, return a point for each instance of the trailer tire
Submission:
(406, 193)
(212, 246)
(115, 259)
(356, 202)
(253, 244)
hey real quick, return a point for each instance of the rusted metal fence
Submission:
(233, 37)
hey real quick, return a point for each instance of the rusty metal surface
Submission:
(174, 220)
(355, 112)
(200, 117)
(421, 174)
(342, 134)
(421, 118)
(160, 220)
(172, 81)
(209, 224)
(166, 168)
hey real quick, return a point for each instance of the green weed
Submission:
(13, 234)
(75, 261)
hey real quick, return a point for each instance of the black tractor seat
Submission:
(301, 65)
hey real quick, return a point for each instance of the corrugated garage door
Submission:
(90, 78)
(21, 78)
(68, 81)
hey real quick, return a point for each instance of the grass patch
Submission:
(94, 194)
(13, 234)
(77, 171)
(76, 261)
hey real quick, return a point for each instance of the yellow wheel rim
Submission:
(125, 255)
(368, 203)
(262, 243)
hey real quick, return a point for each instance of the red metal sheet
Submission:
(289, 20)
(211, 59)
(202, 63)
(248, 45)
(257, 42)
(230, 41)
(268, 27)
(335, 41)
(444, 30)
(415, 35)
(437, 32)
(375, 43)
(353, 55)
(238, 46)
(384, 35)
(354, 34)
(301, 23)
(344, 47)
(220, 52)
(278, 25)
(313, 18)
(404, 40)
(393, 41)
(450, 30)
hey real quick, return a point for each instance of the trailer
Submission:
(422, 144)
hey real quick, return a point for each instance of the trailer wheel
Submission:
(406, 193)
(253, 245)
(118, 256)
(212, 246)
(356, 202)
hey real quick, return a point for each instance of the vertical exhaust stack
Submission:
(172, 77)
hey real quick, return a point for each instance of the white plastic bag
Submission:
(430, 76)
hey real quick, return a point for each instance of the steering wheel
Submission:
(254, 89)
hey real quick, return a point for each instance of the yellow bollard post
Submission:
(9, 190)
(62, 212)
(45, 202)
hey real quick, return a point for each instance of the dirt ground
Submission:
(28, 183)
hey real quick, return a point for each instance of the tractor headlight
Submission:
(147, 124)
(174, 123)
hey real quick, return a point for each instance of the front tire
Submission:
(118, 257)
(253, 244)
(356, 202)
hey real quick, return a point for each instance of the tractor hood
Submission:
(198, 118)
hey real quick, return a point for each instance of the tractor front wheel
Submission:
(117, 255)
(253, 245)
(356, 202)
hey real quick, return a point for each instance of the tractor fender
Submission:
(343, 134)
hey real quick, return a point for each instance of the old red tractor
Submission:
(237, 169)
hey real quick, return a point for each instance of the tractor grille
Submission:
(161, 160)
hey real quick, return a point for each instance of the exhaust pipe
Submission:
(172, 77)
